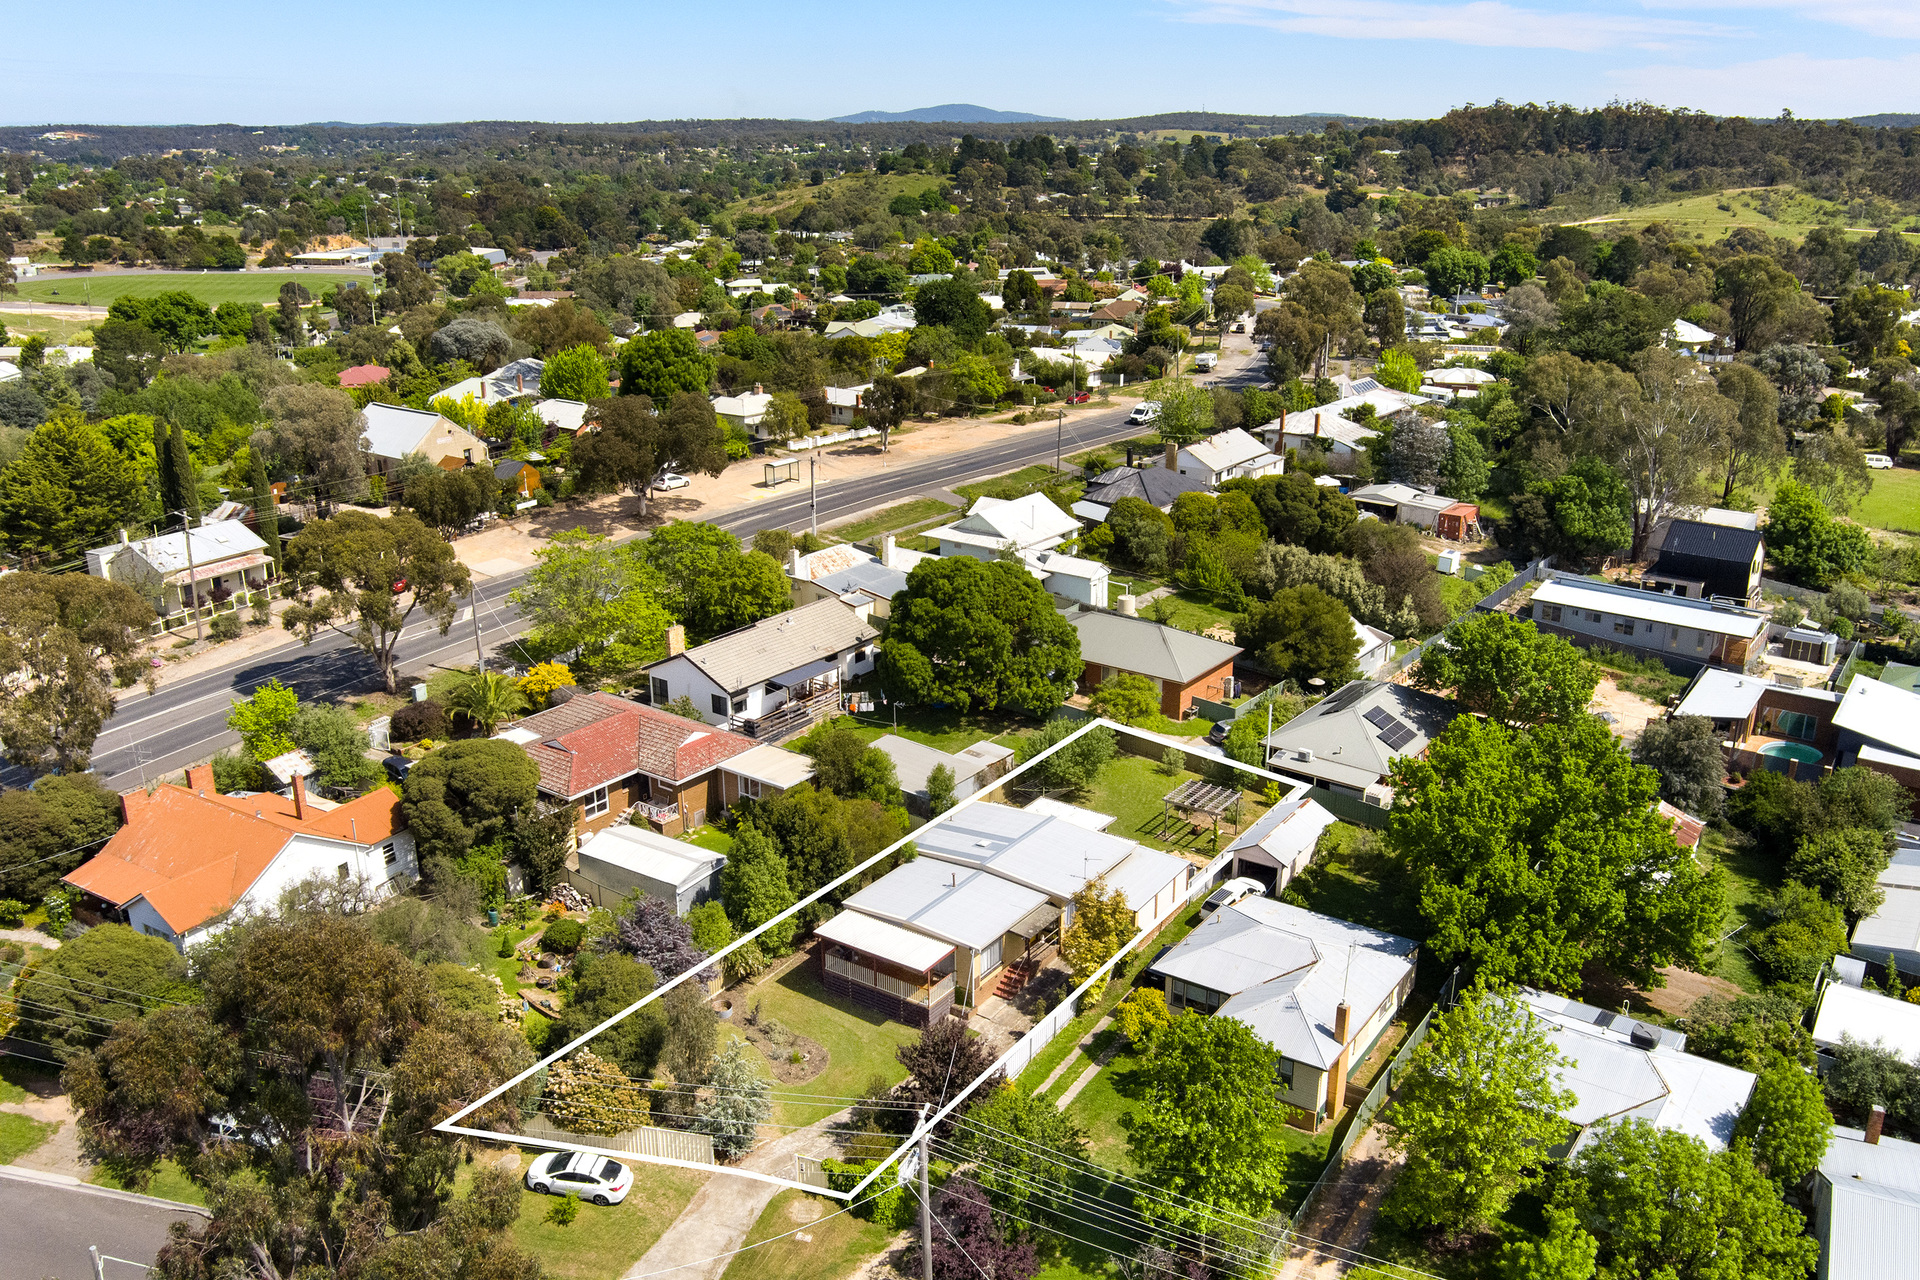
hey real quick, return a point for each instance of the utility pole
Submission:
(479, 654)
(1059, 428)
(926, 1203)
(186, 539)
(813, 493)
(99, 1267)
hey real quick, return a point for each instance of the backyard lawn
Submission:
(1894, 502)
(1132, 789)
(1750, 877)
(169, 1182)
(837, 1243)
(859, 1041)
(211, 287)
(941, 728)
(1352, 879)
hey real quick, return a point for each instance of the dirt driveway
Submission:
(1631, 713)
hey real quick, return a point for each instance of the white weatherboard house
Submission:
(216, 562)
(1680, 632)
(989, 922)
(1321, 991)
(1230, 455)
(739, 678)
(1032, 523)
(1866, 1205)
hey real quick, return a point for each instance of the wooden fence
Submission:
(665, 1144)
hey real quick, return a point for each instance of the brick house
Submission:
(1183, 666)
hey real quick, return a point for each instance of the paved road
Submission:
(149, 737)
(45, 1231)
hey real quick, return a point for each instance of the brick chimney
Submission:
(299, 798)
(1337, 1074)
(1173, 456)
(676, 639)
(520, 383)
(200, 779)
(889, 550)
(1875, 1123)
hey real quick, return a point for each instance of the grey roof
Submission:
(1156, 485)
(785, 642)
(870, 576)
(1722, 695)
(1038, 850)
(1285, 831)
(1872, 1192)
(1341, 745)
(643, 851)
(1147, 647)
(1287, 970)
(211, 544)
(508, 468)
(394, 431)
(1711, 542)
(967, 908)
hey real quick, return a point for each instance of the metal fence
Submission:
(665, 1144)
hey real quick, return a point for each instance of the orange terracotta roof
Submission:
(193, 854)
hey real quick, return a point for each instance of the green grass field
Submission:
(859, 1041)
(1701, 217)
(836, 1244)
(20, 1134)
(211, 287)
(920, 511)
(1894, 502)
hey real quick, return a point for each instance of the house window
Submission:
(1550, 613)
(1623, 626)
(594, 803)
(388, 852)
(343, 871)
(1595, 615)
(989, 959)
(749, 787)
(1700, 641)
(740, 704)
(1286, 1073)
(660, 695)
(1797, 724)
(1191, 995)
(719, 701)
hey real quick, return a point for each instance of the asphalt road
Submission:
(152, 736)
(45, 1231)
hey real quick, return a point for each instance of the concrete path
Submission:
(717, 1219)
(1073, 1057)
(1086, 1077)
(29, 936)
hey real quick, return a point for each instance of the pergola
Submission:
(1198, 803)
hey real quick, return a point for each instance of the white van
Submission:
(1205, 361)
(1878, 461)
(1145, 411)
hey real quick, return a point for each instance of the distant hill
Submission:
(951, 113)
(1887, 121)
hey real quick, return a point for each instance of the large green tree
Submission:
(371, 575)
(467, 793)
(1539, 850)
(578, 373)
(49, 828)
(69, 490)
(709, 582)
(72, 999)
(1302, 633)
(1807, 543)
(74, 638)
(1786, 1121)
(634, 440)
(1509, 670)
(1477, 1103)
(594, 600)
(979, 635)
(1207, 1127)
(662, 362)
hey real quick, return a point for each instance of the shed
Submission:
(620, 859)
(1457, 521)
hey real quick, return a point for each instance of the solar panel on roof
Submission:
(1399, 738)
(1379, 717)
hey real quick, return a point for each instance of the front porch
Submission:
(212, 591)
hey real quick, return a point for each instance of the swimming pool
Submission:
(1792, 751)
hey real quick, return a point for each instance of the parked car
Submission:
(1205, 361)
(1239, 326)
(1878, 461)
(397, 767)
(589, 1176)
(1226, 895)
(399, 586)
(1218, 734)
(1145, 411)
(1079, 398)
(671, 480)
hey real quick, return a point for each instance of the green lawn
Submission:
(859, 1041)
(907, 514)
(15, 1072)
(20, 1134)
(1894, 502)
(713, 840)
(1189, 611)
(602, 1242)
(941, 728)
(834, 1247)
(1023, 482)
(1351, 878)
(169, 1182)
(211, 287)
(1701, 217)
(1132, 789)
(1750, 877)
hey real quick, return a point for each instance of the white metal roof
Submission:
(1867, 1016)
(1072, 813)
(213, 544)
(1722, 695)
(394, 431)
(1285, 831)
(876, 937)
(1037, 850)
(1232, 448)
(1143, 873)
(1883, 713)
(775, 766)
(648, 853)
(948, 901)
(1873, 1214)
(1651, 606)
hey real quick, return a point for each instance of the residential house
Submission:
(745, 410)
(1893, 930)
(1404, 504)
(1071, 578)
(1687, 829)
(1060, 856)
(1843, 1011)
(517, 476)
(1685, 634)
(1622, 1069)
(904, 973)
(394, 431)
(762, 773)
(1228, 455)
(1325, 429)
(1321, 991)
(1879, 727)
(844, 570)
(993, 525)
(1689, 337)
(776, 676)
(1182, 666)
(844, 402)
(990, 922)
(1376, 649)
(210, 564)
(1699, 560)
(363, 375)
(515, 380)
(1866, 1204)
(563, 417)
(1459, 381)
(744, 286)
(1158, 486)
(1347, 742)
(973, 768)
(1763, 724)
(610, 755)
(189, 860)
(1281, 843)
(617, 860)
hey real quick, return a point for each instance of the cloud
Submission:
(1486, 23)
(1813, 87)
(1887, 20)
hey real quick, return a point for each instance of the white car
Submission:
(1145, 411)
(671, 480)
(1878, 461)
(1205, 361)
(1231, 892)
(589, 1176)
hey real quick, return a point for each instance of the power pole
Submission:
(813, 493)
(1059, 428)
(926, 1204)
(99, 1267)
(186, 539)
(479, 654)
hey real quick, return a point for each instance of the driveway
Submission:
(47, 1226)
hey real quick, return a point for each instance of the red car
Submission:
(1082, 398)
(399, 586)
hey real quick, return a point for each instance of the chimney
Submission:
(520, 383)
(299, 798)
(889, 550)
(757, 391)
(1173, 456)
(200, 779)
(793, 562)
(1875, 1123)
(1337, 1074)
(1316, 426)
(676, 639)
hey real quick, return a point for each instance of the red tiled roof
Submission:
(597, 738)
(1687, 829)
(362, 375)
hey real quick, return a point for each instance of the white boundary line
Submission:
(451, 1123)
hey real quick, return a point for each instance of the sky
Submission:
(117, 62)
